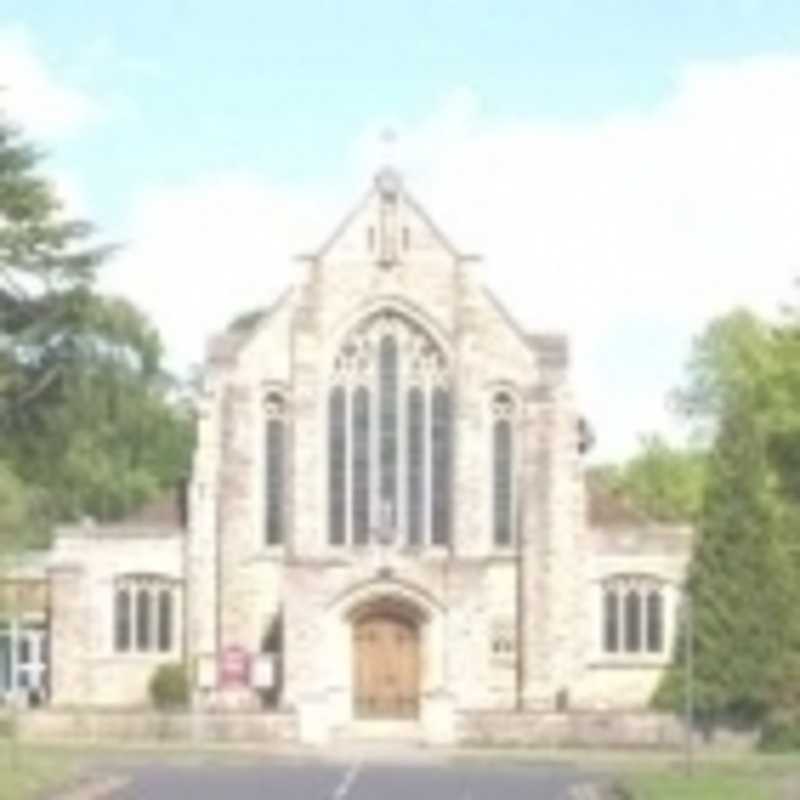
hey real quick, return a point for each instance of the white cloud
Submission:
(202, 252)
(33, 95)
(629, 232)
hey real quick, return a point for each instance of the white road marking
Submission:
(343, 789)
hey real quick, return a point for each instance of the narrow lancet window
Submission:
(165, 620)
(388, 429)
(361, 466)
(416, 467)
(502, 482)
(611, 621)
(275, 495)
(655, 622)
(441, 466)
(337, 454)
(122, 621)
(633, 621)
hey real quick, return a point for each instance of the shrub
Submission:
(169, 687)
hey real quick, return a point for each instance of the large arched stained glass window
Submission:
(389, 435)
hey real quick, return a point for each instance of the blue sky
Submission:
(631, 165)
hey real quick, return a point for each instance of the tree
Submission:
(665, 483)
(115, 430)
(742, 395)
(739, 581)
(46, 271)
(90, 423)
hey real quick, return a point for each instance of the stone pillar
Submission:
(70, 675)
(201, 537)
(536, 530)
(554, 548)
(239, 534)
(309, 440)
(469, 439)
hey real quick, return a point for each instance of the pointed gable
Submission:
(386, 227)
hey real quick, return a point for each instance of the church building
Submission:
(388, 519)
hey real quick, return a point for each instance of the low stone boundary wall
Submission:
(589, 730)
(149, 726)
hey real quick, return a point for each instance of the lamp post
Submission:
(688, 678)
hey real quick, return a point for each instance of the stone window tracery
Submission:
(389, 434)
(633, 611)
(145, 614)
(503, 447)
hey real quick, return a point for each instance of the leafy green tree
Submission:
(90, 423)
(665, 483)
(743, 394)
(47, 266)
(117, 430)
(740, 579)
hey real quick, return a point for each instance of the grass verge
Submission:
(749, 777)
(26, 772)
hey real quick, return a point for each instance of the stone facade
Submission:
(499, 624)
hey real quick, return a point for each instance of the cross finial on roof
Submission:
(388, 141)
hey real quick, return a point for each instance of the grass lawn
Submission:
(749, 777)
(31, 770)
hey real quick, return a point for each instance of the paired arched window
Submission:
(145, 615)
(633, 615)
(503, 446)
(389, 435)
(275, 469)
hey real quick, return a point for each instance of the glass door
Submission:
(6, 660)
(32, 662)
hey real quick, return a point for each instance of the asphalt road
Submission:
(304, 780)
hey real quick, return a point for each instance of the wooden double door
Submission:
(386, 661)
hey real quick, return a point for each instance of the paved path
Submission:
(308, 780)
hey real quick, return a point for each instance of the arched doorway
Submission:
(386, 664)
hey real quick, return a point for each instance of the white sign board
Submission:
(263, 674)
(206, 673)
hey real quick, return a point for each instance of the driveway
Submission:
(315, 780)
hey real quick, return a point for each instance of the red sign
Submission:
(234, 667)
